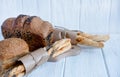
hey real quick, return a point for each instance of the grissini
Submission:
(98, 38)
(85, 41)
(77, 36)
(61, 43)
(20, 74)
(61, 50)
(60, 47)
(17, 71)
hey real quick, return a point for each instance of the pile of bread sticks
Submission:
(91, 40)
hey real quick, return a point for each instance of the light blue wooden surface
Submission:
(93, 16)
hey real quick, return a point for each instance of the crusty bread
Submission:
(60, 47)
(36, 32)
(88, 42)
(98, 38)
(7, 28)
(10, 50)
(19, 21)
(17, 71)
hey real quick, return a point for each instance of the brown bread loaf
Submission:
(7, 28)
(36, 32)
(10, 50)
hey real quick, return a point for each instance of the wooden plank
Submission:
(65, 13)
(88, 64)
(49, 69)
(111, 51)
(115, 17)
(95, 16)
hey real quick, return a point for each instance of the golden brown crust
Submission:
(19, 21)
(60, 47)
(12, 47)
(10, 50)
(99, 38)
(7, 27)
(17, 71)
(85, 41)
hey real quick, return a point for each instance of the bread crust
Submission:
(10, 51)
(7, 27)
(36, 32)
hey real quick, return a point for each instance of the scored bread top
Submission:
(37, 26)
(8, 23)
(19, 21)
(35, 31)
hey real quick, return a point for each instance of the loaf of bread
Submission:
(10, 50)
(36, 32)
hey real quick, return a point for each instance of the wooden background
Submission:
(93, 16)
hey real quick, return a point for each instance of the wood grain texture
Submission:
(49, 69)
(112, 55)
(114, 20)
(88, 64)
(65, 13)
(95, 16)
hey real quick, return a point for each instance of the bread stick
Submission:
(99, 38)
(62, 50)
(59, 47)
(85, 41)
(20, 74)
(17, 71)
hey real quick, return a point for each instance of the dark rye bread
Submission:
(7, 28)
(36, 32)
(41, 30)
(12, 24)
(19, 21)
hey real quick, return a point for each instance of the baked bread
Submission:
(88, 42)
(97, 38)
(36, 32)
(10, 50)
(60, 47)
(16, 71)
